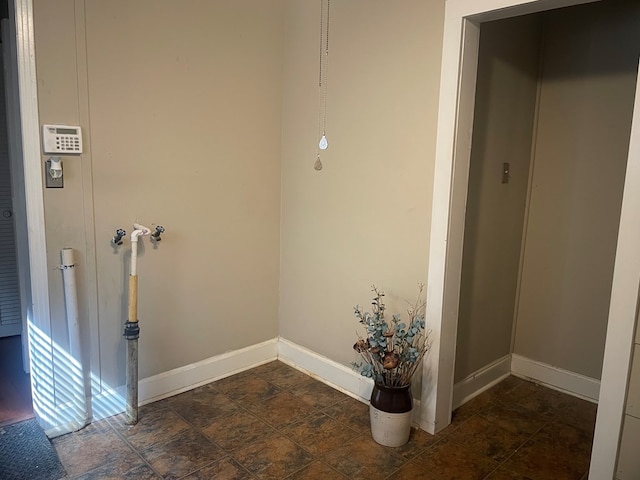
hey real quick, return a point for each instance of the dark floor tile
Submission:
(488, 439)
(225, 469)
(578, 413)
(476, 405)
(505, 387)
(419, 441)
(266, 367)
(272, 457)
(319, 434)
(183, 454)
(199, 406)
(317, 394)
(364, 459)
(317, 471)
(543, 462)
(280, 410)
(286, 377)
(448, 460)
(560, 435)
(411, 471)
(503, 474)
(251, 387)
(351, 413)
(153, 426)
(482, 403)
(237, 429)
(119, 470)
(95, 445)
(449, 429)
(514, 418)
(537, 398)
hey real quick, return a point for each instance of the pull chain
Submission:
(323, 69)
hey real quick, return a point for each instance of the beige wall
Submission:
(503, 124)
(211, 74)
(251, 226)
(180, 104)
(586, 100)
(365, 218)
(59, 102)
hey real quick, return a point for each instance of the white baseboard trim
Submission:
(166, 384)
(185, 378)
(481, 380)
(564, 381)
(112, 401)
(326, 370)
(332, 373)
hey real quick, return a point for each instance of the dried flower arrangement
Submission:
(391, 351)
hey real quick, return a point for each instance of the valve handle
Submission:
(159, 231)
(117, 238)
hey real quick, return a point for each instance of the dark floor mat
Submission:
(27, 454)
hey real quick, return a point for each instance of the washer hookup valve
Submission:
(159, 231)
(117, 238)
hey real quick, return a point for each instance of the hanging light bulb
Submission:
(323, 142)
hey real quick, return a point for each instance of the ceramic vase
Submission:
(390, 413)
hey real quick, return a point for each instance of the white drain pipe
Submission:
(132, 330)
(75, 367)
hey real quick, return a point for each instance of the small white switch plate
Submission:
(506, 172)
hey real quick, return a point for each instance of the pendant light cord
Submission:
(325, 71)
(323, 68)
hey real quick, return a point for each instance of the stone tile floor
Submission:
(274, 422)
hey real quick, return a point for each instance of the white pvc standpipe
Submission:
(139, 231)
(134, 255)
(71, 301)
(132, 331)
(75, 370)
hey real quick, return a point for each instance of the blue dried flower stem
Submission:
(391, 353)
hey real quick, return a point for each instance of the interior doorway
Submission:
(463, 19)
(10, 305)
(553, 110)
(16, 400)
(552, 122)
